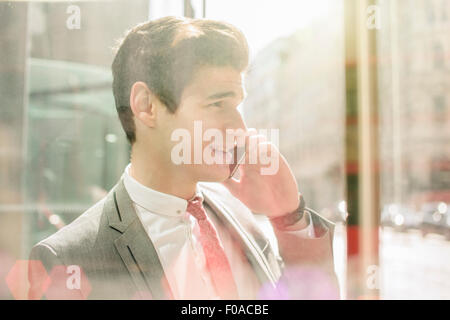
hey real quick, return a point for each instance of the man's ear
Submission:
(143, 104)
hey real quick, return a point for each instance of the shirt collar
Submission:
(155, 201)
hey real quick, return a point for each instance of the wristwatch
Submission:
(291, 218)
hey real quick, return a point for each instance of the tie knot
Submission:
(196, 209)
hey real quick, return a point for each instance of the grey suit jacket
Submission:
(110, 245)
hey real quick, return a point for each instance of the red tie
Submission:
(216, 260)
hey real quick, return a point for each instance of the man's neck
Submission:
(161, 177)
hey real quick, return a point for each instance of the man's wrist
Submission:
(285, 221)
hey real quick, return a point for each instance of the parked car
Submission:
(436, 218)
(400, 217)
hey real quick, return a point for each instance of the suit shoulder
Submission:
(82, 232)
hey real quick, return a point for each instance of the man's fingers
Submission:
(250, 133)
(252, 148)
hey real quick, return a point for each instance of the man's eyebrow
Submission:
(220, 95)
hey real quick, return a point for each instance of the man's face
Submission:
(208, 107)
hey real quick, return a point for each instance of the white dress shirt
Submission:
(175, 235)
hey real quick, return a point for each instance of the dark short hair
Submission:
(165, 54)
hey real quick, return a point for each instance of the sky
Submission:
(262, 21)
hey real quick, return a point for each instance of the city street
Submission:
(414, 267)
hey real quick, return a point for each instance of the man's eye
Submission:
(217, 104)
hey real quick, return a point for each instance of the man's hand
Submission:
(273, 194)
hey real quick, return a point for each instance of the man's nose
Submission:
(236, 121)
(237, 127)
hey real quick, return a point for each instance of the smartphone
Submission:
(238, 158)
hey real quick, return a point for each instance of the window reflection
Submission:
(415, 185)
(62, 147)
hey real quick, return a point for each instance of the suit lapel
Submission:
(251, 243)
(134, 246)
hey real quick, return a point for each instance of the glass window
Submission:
(62, 147)
(414, 151)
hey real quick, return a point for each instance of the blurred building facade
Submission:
(296, 85)
(414, 93)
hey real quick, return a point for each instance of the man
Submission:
(186, 230)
